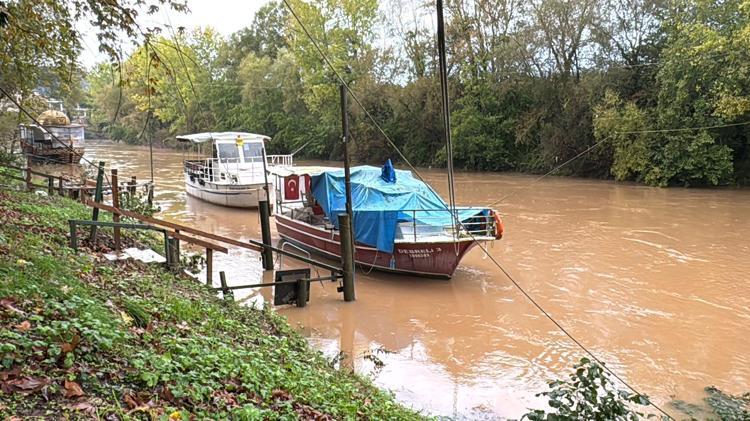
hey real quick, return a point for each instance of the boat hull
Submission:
(54, 155)
(235, 196)
(433, 259)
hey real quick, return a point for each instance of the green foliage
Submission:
(588, 395)
(531, 85)
(138, 339)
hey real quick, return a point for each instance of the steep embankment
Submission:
(84, 337)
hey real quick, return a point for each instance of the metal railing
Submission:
(281, 160)
(427, 223)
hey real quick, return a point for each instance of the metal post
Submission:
(345, 138)
(209, 267)
(265, 231)
(116, 204)
(50, 185)
(347, 255)
(446, 111)
(302, 291)
(97, 199)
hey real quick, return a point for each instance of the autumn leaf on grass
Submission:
(83, 407)
(24, 326)
(26, 384)
(72, 390)
(70, 346)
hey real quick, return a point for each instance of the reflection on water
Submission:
(652, 280)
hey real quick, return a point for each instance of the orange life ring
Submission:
(499, 227)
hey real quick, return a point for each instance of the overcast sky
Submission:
(226, 16)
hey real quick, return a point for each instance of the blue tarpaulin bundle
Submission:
(379, 205)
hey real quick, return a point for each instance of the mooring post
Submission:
(50, 185)
(116, 205)
(225, 291)
(347, 255)
(174, 259)
(97, 199)
(209, 266)
(302, 291)
(73, 236)
(265, 231)
(28, 178)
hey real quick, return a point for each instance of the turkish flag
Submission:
(291, 187)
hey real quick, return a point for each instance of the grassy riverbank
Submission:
(81, 336)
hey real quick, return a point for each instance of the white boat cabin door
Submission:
(240, 162)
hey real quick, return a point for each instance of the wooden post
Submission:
(97, 199)
(209, 267)
(347, 255)
(50, 185)
(302, 291)
(28, 179)
(225, 291)
(265, 231)
(60, 189)
(73, 236)
(116, 204)
(174, 256)
(131, 190)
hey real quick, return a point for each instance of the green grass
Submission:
(144, 343)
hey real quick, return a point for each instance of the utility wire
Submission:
(507, 274)
(346, 85)
(556, 323)
(70, 148)
(585, 151)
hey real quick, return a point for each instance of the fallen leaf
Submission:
(175, 416)
(27, 384)
(130, 401)
(71, 346)
(8, 304)
(72, 389)
(6, 374)
(83, 407)
(24, 326)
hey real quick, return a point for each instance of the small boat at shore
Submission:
(235, 174)
(399, 223)
(55, 140)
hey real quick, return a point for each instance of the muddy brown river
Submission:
(652, 280)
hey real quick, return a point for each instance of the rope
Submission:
(346, 85)
(557, 324)
(72, 150)
(681, 129)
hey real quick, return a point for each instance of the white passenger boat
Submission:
(234, 175)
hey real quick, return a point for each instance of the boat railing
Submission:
(280, 160)
(438, 222)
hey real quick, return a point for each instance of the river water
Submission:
(654, 281)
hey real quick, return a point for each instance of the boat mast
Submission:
(446, 110)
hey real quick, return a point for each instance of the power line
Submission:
(346, 85)
(515, 283)
(70, 148)
(580, 154)
(556, 323)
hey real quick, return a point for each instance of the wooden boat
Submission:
(234, 175)
(401, 226)
(55, 140)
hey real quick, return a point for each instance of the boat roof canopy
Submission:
(222, 137)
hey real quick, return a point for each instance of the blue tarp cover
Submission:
(379, 205)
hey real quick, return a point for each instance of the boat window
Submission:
(228, 151)
(253, 152)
